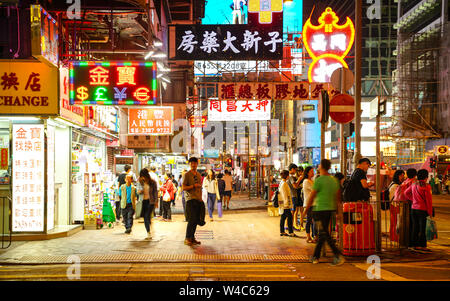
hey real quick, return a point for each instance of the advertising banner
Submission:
(28, 178)
(28, 88)
(238, 110)
(227, 42)
(72, 113)
(150, 121)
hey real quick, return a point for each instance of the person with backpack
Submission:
(285, 205)
(324, 199)
(422, 207)
(357, 188)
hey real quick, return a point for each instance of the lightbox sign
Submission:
(327, 44)
(28, 178)
(44, 35)
(265, 9)
(239, 110)
(227, 42)
(112, 83)
(150, 121)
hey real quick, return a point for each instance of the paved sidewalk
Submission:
(239, 236)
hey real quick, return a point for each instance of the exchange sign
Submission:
(150, 121)
(28, 178)
(112, 83)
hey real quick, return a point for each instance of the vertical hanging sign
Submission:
(28, 178)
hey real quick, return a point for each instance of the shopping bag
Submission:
(431, 229)
(166, 197)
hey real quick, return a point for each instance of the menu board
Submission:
(28, 178)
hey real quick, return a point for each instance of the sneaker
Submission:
(128, 231)
(149, 236)
(314, 260)
(338, 260)
(196, 242)
(188, 242)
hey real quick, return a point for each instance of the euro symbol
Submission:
(82, 93)
(142, 94)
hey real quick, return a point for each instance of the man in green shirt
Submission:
(324, 199)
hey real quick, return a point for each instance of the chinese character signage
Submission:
(150, 121)
(227, 42)
(112, 83)
(28, 89)
(72, 113)
(272, 91)
(28, 178)
(44, 35)
(237, 110)
(327, 44)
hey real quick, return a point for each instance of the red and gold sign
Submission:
(4, 159)
(327, 43)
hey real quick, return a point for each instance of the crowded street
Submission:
(248, 146)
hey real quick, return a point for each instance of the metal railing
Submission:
(6, 232)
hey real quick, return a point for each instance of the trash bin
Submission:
(358, 229)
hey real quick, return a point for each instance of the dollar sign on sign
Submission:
(82, 93)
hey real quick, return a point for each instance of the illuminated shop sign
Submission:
(150, 121)
(227, 42)
(28, 178)
(239, 110)
(327, 44)
(44, 35)
(28, 88)
(270, 91)
(112, 83)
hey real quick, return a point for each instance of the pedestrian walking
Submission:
(358, 186)
(221, 186)
(211, 186)
(192, 186)
(324, 199)
(228, 188)
(121, 179)
(447, 184)
(311, 233)
(285, 205)
(128, 202)
(422, 207)
(168, 191)
(150, 199)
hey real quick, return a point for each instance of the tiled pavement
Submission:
(245, 235)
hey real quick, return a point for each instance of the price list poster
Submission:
(28, 178)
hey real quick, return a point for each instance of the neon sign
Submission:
(112, 83)
(327, 43)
